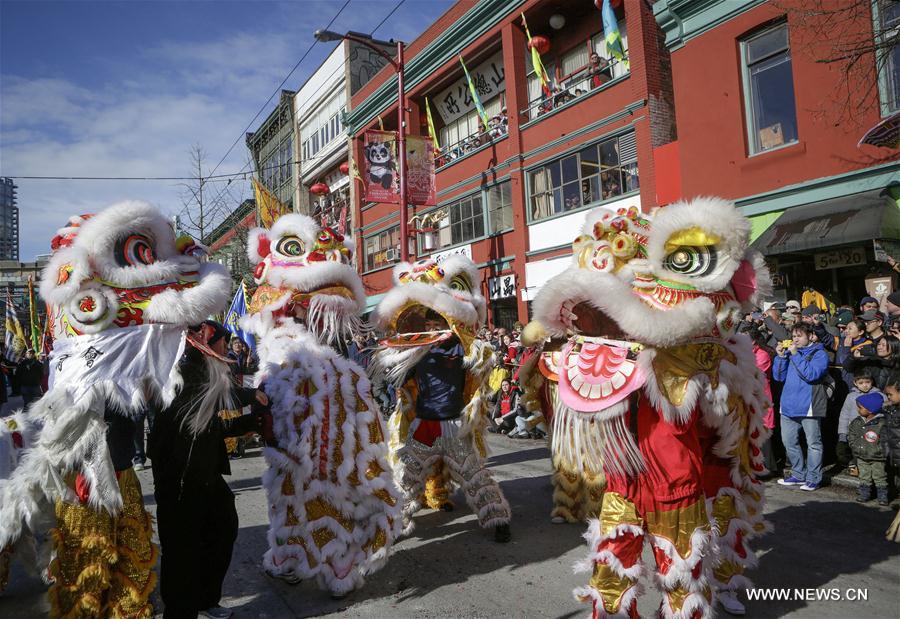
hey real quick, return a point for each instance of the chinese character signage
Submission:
(462, 250)
(420, 170)
(489, 79)
(380, 169)
(502, 287)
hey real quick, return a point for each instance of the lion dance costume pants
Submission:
(577, 495)
(103, 564)
(665, 505)
(433, 447)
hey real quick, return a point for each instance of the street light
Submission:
(364, 39)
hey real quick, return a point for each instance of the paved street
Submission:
(449, 568)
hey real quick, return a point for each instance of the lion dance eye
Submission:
(460, 283)
(290, 246)
(693, 261)
(134, 250)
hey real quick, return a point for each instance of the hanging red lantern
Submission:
(320, 189)
(540, 43)
(344, 168)
(615, 4)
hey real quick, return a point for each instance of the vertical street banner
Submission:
(268, 207)
(420, 170)
(33, 320)
(15, 336)
(380, 172)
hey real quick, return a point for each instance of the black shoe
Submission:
(493, 429)
(883, 497)
(447, 507)
(502, 533)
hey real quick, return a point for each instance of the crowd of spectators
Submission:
(498, 126)
(835, 380)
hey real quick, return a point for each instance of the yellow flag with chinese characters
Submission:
(268, 207)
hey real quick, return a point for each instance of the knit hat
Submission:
(811, 310)
(793, 305)
(871, 401)
(865, 300)
(894, 298)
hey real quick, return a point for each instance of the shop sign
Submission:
(462, 250)
(489, 79)
(879, 287)
(779, 280)
(502, 287)
(885, 248)
(839, 258)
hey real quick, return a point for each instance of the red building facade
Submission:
(513, 196)
(769, 116)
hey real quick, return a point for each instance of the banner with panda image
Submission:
(380, 172)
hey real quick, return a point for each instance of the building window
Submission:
(888, 56)
(383, 248)
(769, 89)
(464, 222)
(500, 214)
(600, 171)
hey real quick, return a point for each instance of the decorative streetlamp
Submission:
(426, 226)
(324, 36)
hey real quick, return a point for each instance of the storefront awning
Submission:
(840, 221)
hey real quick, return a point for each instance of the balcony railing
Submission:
(498, 127)
(577, 84)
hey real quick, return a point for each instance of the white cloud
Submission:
(182, 94)
(143, 117)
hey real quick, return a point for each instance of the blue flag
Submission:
(611, 33)
(235, 313)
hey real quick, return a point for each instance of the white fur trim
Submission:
(289, 355)
(615, 298)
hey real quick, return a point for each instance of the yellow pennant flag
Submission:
(431, 131)
(268, 207)
(536, 63)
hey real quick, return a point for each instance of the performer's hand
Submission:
(267, 430)
(261, 397)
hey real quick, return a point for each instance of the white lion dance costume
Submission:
(657, 391)
(122, 290)
(334, 510)
(437, 430)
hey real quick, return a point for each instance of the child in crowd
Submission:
(862, 383)
(891, 437)
(865, 442)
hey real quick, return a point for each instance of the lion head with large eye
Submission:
(304, 275)
(437, 299)
(125, 267)
(680, 277)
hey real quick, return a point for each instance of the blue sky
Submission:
(125, 88)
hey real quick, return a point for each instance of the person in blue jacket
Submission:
(803, 368)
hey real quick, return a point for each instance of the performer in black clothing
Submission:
(196, 515)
